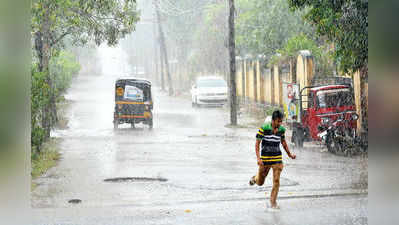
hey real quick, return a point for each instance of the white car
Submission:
(210, 90)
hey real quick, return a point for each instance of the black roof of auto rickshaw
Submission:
(134, 80)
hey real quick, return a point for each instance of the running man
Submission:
(271, 135)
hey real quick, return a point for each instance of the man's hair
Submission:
(277, 115)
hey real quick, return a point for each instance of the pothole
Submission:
(134, 179)
(75, 201)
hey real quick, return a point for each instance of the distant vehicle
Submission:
(133, 102)
(209, 90)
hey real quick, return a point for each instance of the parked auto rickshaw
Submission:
(133, 102)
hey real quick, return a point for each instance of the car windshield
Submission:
(334, 98)
(211, 83)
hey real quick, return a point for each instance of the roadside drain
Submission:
(134, 179)
(75, 201)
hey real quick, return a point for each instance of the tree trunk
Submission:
(233, 92)
(43, 49)
(163, 50)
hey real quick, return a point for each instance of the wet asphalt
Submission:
(189, 169)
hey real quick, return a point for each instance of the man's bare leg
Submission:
(277, 168)
(260, 177)
(262, 174)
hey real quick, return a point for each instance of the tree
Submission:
(81, 21)
(289, 52)
(263, 26)
(210, 41)
(345, 23)
(196, 32)
(183, 17)
(164, 49)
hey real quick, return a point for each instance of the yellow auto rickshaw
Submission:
(133, 102)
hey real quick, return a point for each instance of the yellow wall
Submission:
(239, 79)
(251, 82)
(267, 90)
(309, 69)
(259, 83)
(276, 83)
(304, 74)
(358, 96)
(300, 74)
(269, 82)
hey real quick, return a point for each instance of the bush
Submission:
(289, 52)
(39, 100)
(63, 68)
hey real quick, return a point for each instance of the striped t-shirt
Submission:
(270, 148)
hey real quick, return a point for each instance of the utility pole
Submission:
(162, 69)
(163, 48)
(233, 92)
(156, 54)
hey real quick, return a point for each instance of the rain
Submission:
(170, 112)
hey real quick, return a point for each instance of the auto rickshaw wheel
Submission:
(332, 144)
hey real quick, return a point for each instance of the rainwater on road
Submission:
(189, 169)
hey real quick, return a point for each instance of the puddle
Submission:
(75, 201)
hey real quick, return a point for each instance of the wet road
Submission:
(189, 161)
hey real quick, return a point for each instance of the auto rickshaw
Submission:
(133, 102)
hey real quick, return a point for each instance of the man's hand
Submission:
(260, 162)
(285, 146)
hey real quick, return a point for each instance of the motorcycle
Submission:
(339, 136)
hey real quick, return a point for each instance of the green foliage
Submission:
(345, 23)
(63, 68)
(210, 39)
(47, 158)
(39, 99)
(289, 52)
(84, 21)
(197, 31)
(180, 24)
(263, 26)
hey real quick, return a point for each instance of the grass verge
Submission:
(49, 154)
(45, 159)
(62, 108)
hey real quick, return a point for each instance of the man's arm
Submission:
(257, 144)
(285, 146)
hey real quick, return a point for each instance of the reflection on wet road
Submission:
(204, 166)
